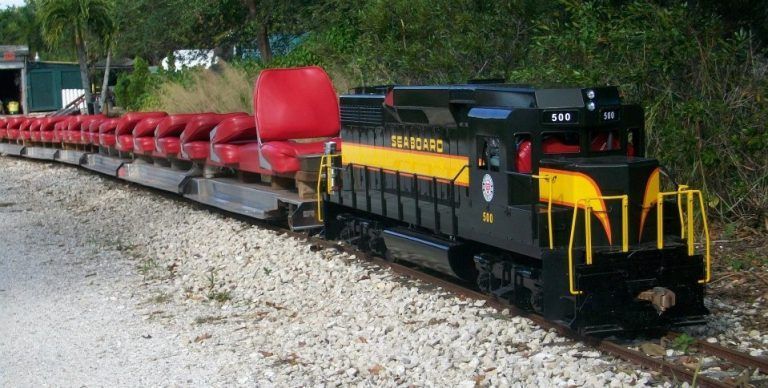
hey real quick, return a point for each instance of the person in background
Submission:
(2, 108)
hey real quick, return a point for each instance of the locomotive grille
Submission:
(361, 115)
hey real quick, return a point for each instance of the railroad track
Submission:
(675, 371)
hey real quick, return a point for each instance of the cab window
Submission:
(489, 153)
(554, 143)
(603, 141)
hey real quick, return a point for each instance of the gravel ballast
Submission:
(105, 283)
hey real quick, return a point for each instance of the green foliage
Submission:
(19, 26)
(134, 89)
(419, 41)
(683, 342)
(72, 20)
(701, 85)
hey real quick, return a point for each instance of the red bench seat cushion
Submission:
(226, 153)
(169, 145)
(283, 156)
(124, 143)
(196, 150)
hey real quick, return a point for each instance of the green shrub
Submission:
(702, 88)
(133, 89)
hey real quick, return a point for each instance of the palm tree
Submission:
(77, 20)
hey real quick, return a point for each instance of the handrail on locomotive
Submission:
(550, 182)
(687, 226)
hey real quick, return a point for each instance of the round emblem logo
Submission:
(487, 187)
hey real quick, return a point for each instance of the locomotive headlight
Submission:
(590, 94)
(591, 106)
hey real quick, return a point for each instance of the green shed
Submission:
(47, 80)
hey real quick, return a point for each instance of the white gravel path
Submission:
(106, 284)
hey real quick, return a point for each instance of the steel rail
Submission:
(728, 354)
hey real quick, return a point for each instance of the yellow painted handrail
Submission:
(550, 180)
(688, 227)
(324, 171)
(586, 202)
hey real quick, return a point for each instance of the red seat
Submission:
(12, 127)
(229, 136)
(195, 138)
(91, 130)
(290, 104)
(72, 134)
(47, 128)
(23, 133)
(168, 131)
(144, 135)
(60, 128)
(105, 134)
(85, 127)
(122, 137)
(3, 130)
(34, 129)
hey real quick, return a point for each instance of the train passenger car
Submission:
(541, 196)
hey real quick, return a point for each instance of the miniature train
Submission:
(543, 197)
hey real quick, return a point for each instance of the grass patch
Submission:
(161, 298)
(223, 89)
(146, 266)
(214, 289)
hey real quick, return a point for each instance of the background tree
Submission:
(77, 20)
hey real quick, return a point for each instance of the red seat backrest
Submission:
(239, 129)
(25, 125)
(88, 123)
(61, 125)
(199, 129)
(127, 122)
(297, 103)
(108, 125)
(74, 123)
(35, 124)
(173, 125)
(14, 123)
(146, 127)
(49, 123)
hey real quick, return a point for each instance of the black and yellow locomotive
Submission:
(541, 196)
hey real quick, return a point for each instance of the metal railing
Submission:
(550, 179)
(587, 202)
(327, 170)
(324, 171)
(686, 224)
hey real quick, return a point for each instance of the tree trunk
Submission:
(262, 36)
(84, 76)
(105, 84)
(264, 47)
